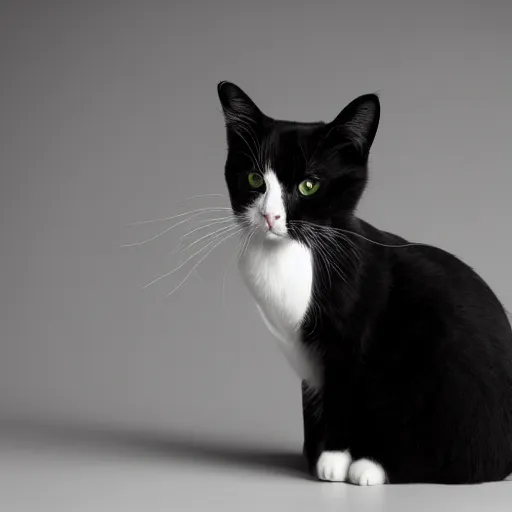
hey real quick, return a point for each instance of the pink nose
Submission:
(271, 218)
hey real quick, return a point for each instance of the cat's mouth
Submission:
(271, 233)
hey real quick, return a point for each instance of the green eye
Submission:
(255, 180)
(308, 187)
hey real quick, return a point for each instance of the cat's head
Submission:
(282, 174)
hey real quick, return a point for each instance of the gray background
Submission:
(108, 114)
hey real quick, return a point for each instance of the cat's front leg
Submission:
(335, 459)
(313, 424)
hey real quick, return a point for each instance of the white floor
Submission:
(72, 470)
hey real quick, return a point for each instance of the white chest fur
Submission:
(279, 275)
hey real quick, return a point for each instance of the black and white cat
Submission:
(404, 353)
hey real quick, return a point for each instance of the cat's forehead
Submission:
(288, 133)
(289, 148)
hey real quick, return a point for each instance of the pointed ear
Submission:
(359, 120)
(236, 105)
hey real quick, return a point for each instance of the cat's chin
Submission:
(273, 236)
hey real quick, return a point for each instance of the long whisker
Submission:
(329, 261)
(185, 262)
(330, 231)
(321, 255)
(335, 264)
(218, 220)
(347, 251)
(244, 250)
(201, 260)
(208, 235)
(165, 230)
(212, 209)
(237, 250)
(348, 232)
(197, 197)
(326, 253)
(325, 264)
(352, 244)
(183, 237)
(395, 246)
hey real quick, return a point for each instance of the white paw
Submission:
(366, 472)
(333, 466)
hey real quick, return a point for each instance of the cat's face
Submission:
(285, 177)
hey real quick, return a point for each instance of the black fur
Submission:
(416, 348)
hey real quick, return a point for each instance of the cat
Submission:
(403, 351)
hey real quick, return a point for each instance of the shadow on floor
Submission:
(186, 447)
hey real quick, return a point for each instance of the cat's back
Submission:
(437, 302)
(444, 322)
(424, 270)
(433, 273)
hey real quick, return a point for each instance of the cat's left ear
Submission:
(358, 121)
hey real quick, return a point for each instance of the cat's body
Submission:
(404, 352)
(431, 384)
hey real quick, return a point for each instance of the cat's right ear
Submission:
(237, 107)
